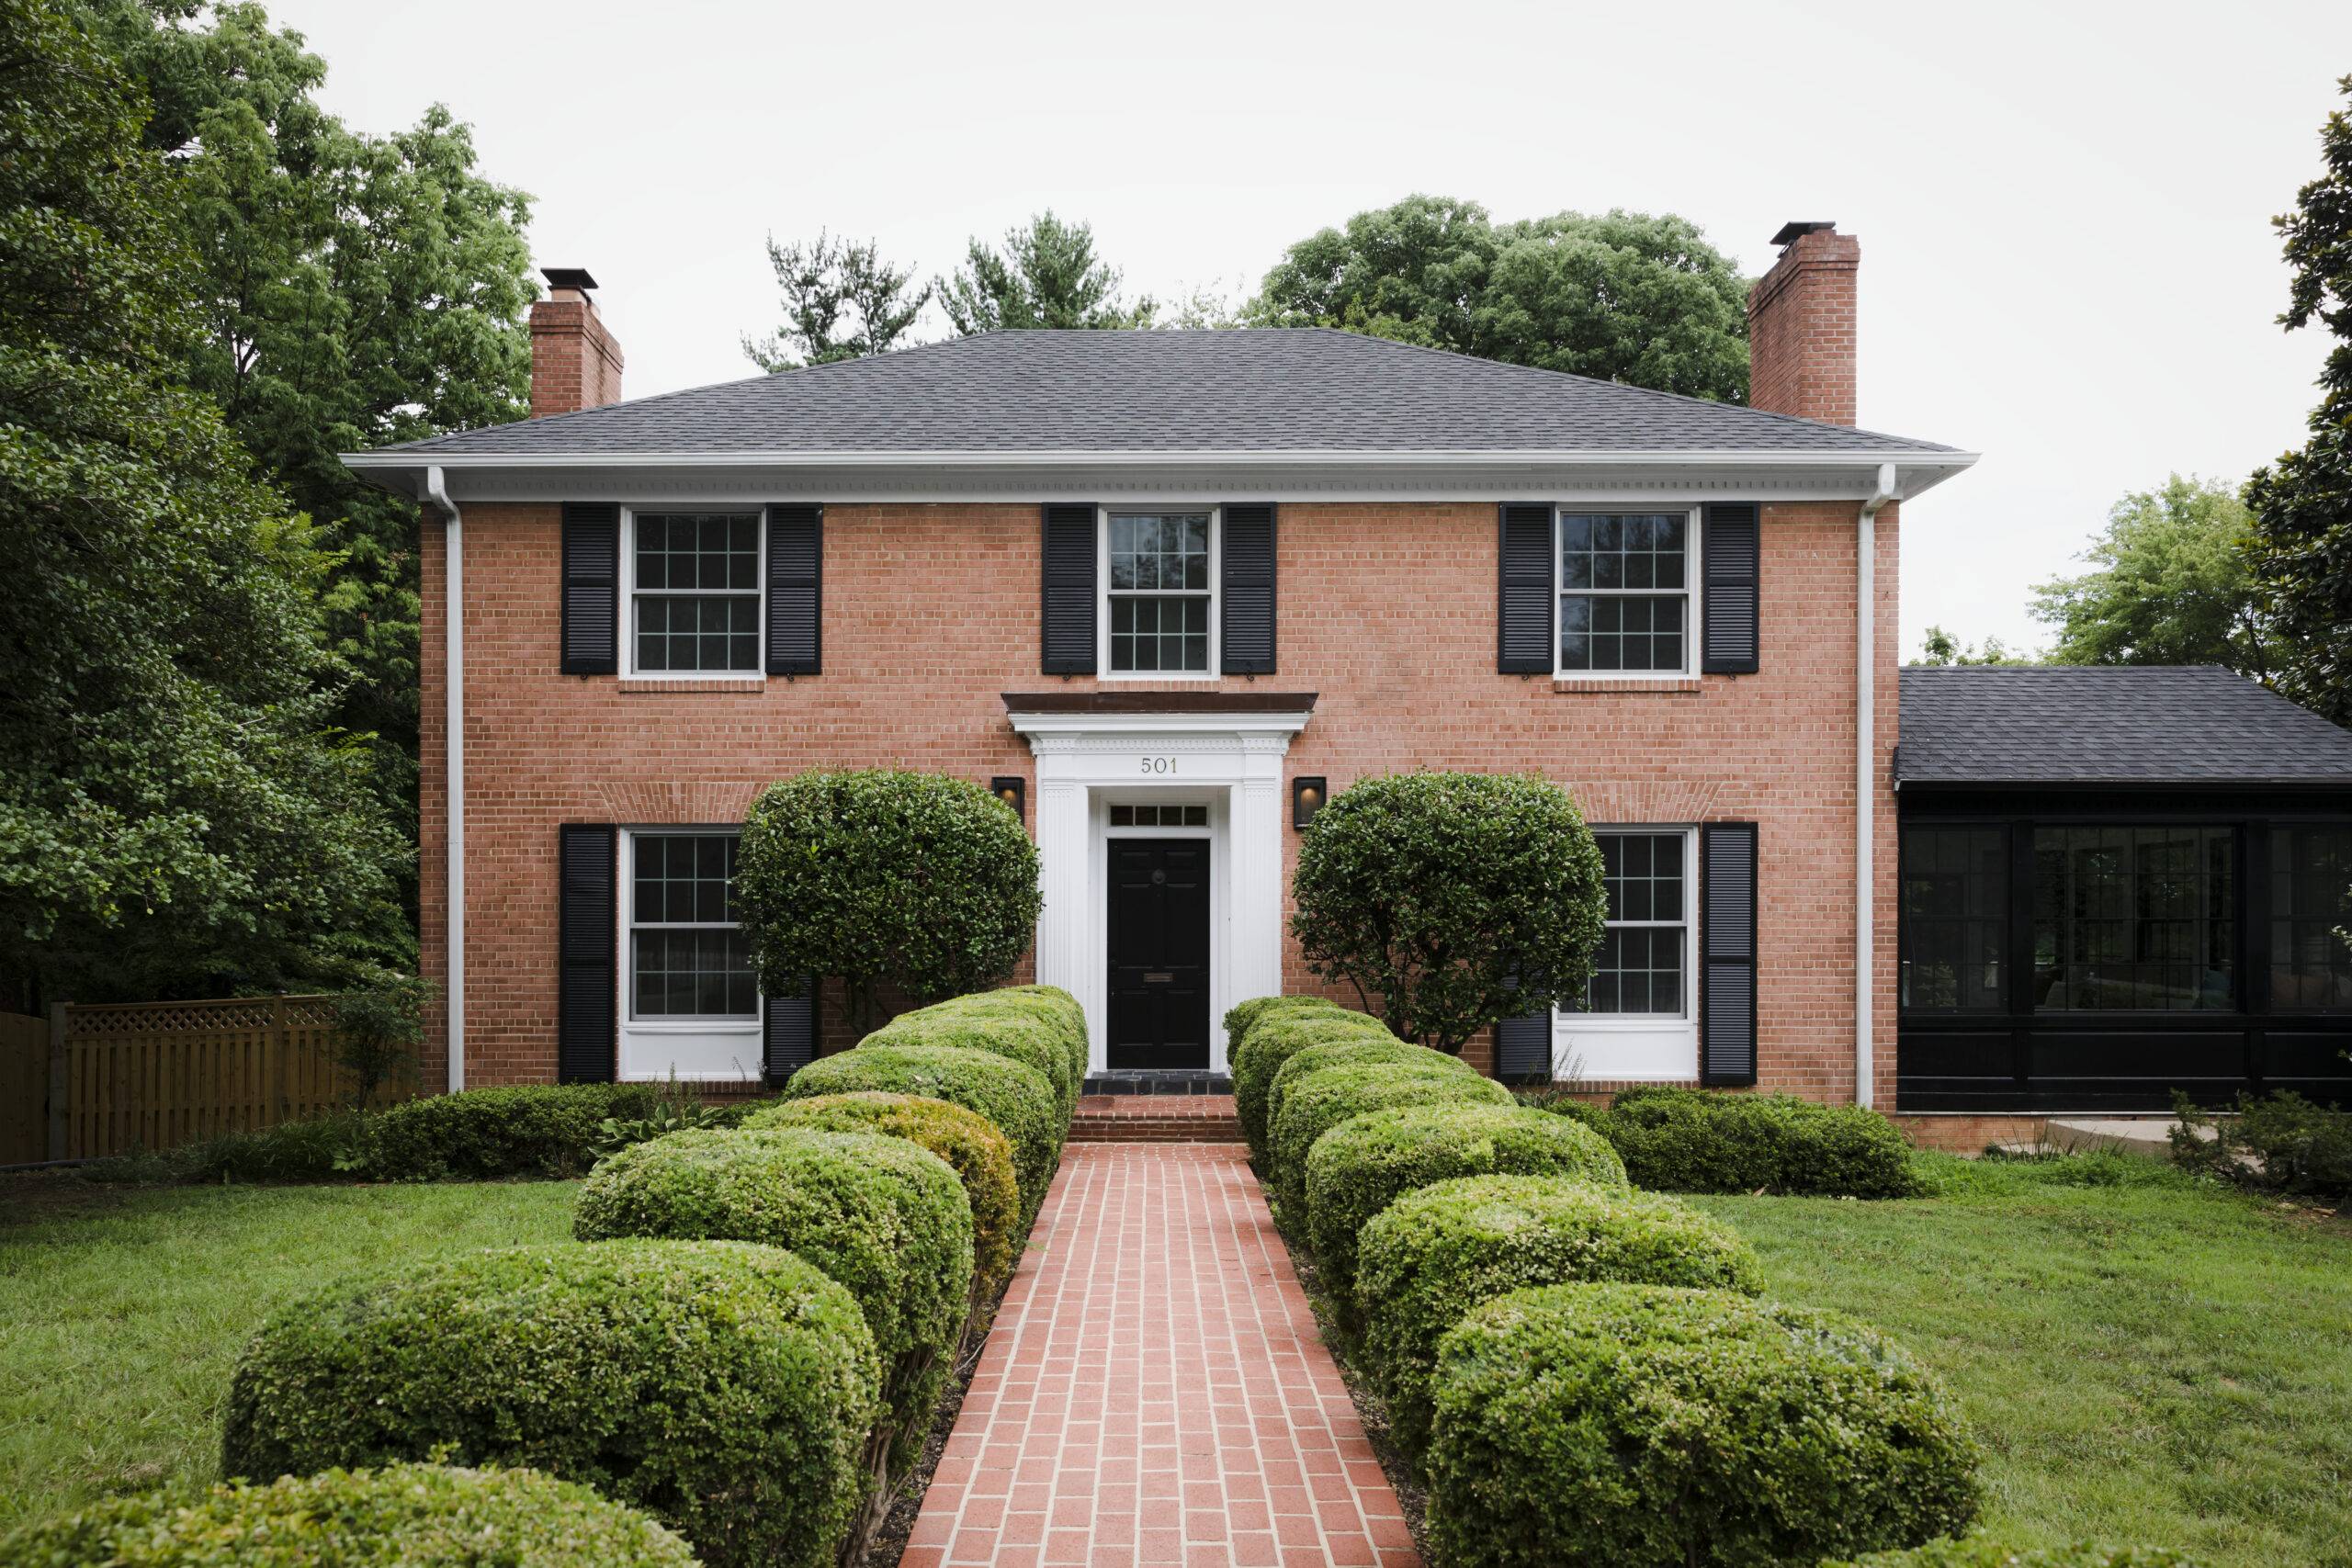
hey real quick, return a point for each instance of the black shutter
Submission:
(1248, 590)
(592, 587)
(1727, 953)
(1069, 607)
(791, 1032)
(1523, 637)
(1728, 594)
(585, 1041)
(796, 581)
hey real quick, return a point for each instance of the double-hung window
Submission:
(1625, 592)
(694, 594)
(687, 959)
(1159, 587)
(1636, 1018)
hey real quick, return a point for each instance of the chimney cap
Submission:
(568, 277)
(1797, 228)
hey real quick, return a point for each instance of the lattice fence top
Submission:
(226, 1017)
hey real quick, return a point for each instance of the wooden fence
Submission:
(154, 1074)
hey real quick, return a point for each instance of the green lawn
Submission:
(2156, 1362)
(122, 1311)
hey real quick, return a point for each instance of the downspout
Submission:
(453, 750)
(1865, 777)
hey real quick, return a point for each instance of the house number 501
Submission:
(1158, 765)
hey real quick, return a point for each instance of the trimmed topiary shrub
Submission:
(1366, 1163)
(1979, 1551)
(1654, 1427)
(1456, 899)
(724, 1387)
(1017, 1100)
(1243, 1016)
(1434, 1253)
(1384, 1051)
(885, 1218)
(546, 1130)
(1274, 1039)
(918, 881)
(1050, 1005)
(1314, 1105)
(1689, 1139)
(967, 1140)
(1016, 1034)
(405, 1516)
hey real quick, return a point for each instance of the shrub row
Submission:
(1485, 1256)
(1982, 1551)
(753, 1325)
(404, 1515)
(1686, 1140)
(485, 1135)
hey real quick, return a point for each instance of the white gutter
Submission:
(1865, 777)
(453, 750)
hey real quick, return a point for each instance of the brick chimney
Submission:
(576, 364)
(1800, 325)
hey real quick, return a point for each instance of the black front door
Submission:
(1159, 953)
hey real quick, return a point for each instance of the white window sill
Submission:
(646, 684)
(1614, 683)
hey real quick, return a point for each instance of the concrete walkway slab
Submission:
(1155, 1391)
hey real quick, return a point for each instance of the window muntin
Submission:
(1641, 967)
(1625, 592)
(1955, 917)
(2311, 903)
(694, 592)
(2136, 918)
(1159, 576)
(687, 955)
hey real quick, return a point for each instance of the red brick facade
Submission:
(1387, 611)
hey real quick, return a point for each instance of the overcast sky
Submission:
(2067, 263)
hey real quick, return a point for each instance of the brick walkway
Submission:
(1154, 1391)
(1155, 1119)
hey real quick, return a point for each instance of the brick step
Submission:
(1155, 1118)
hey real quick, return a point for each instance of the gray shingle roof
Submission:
(1295, 390)
(2179, 724)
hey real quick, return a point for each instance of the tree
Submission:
(2172, 583)
(841, 301)
(1940, 649)
(913, 883)
(1047, 276)
(352, 291)
(178, 810)
(2302, 503)
(1625, 296)
(1456, 899)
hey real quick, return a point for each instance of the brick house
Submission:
(1165, 591)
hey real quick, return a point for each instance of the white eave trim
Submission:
(1476, 457)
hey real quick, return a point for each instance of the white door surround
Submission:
(1228, 758)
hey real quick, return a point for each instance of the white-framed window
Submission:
(691, 600)
(1638, 1018)
(686, 958)
(1628, 600)
(1158, 571)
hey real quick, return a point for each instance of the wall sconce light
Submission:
(1013, 790)
(1307, 798)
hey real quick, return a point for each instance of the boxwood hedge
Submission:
(1982, 1551)
(724, 1387)
(1383, 1050)
(542, 1130)
(1650, 1425)
(1243, 1016)
(1367, 1162)
(967, 1140)
(1279, 1034)
(1316, 1104)
(1051, 1006)
(1017, 1100)
(404, 1515)
(1688, 1140)
(886, 1219)
(1016, 1033)
(1434, 1255)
